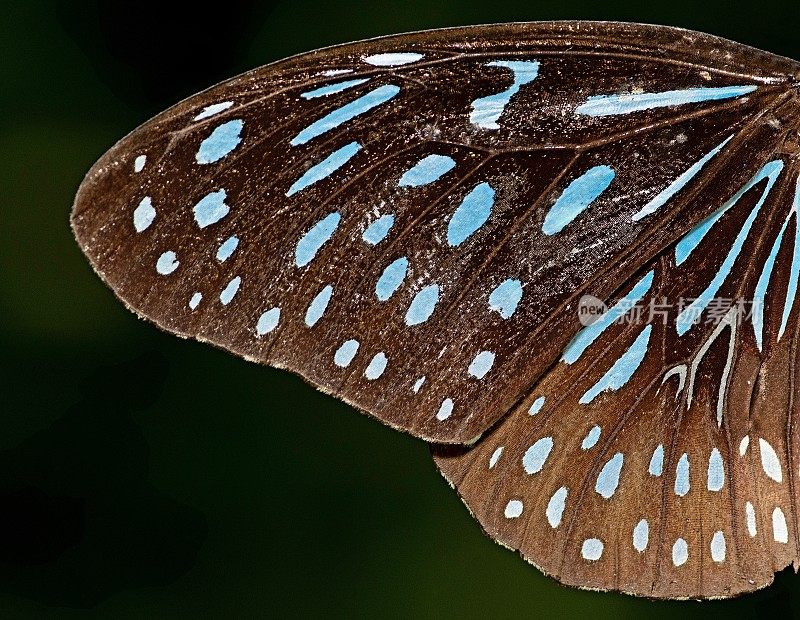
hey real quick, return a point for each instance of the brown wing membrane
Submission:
(373, 216)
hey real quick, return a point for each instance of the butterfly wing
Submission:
(409, 222)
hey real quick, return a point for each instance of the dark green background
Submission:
(145, 476)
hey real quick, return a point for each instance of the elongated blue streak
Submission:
(347, 112)
(622, 370)
(610, 105)
(687, 317)
(678, 184)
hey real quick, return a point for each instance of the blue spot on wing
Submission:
(486, 111)
(535, 457)
(391, 278)
(211, 208)
(227, 249)
(222, 141)
(608, 105)
(144, 214)
(345, 353)
(167, 263)
(331, 89)
(716, 471)
(481, 364)
(268, 321)
(347, 112)
(314, 239)
(577, 197)
(422, 305)
(325, 168)
(377, 231)
(682, 476)
(590, 333)
(229, 292)
(427, 170)
(622, 370)
(657, 461)
(318, 306)
(471, 214)
(608, 479)
(214, 108)
(688, 316)
(505, 297)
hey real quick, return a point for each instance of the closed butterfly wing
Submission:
(409, 222)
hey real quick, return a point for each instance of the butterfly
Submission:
(414, 224)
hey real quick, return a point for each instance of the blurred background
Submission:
(145, 476)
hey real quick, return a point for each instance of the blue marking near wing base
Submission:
(609, 105)
(325, 168)
(486, 111)
(314, 239)
(678, 184)
(608, 478)
(693, 238)
(268, 321)
(211, 208)
(471, 214)
(195, 300)
(330, 89)
(690, 314)
(427, 170)
(377, 231)
(422, 305)
(227, 249)
(622, 370)
(577, 197)
(318, 306)
(590, 333)
(505, 298)
(347, 112)
(222, 141)
(757, 316)
(794, 272)
(391, 278)
(229, 292)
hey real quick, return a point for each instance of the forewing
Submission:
(409, 222)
